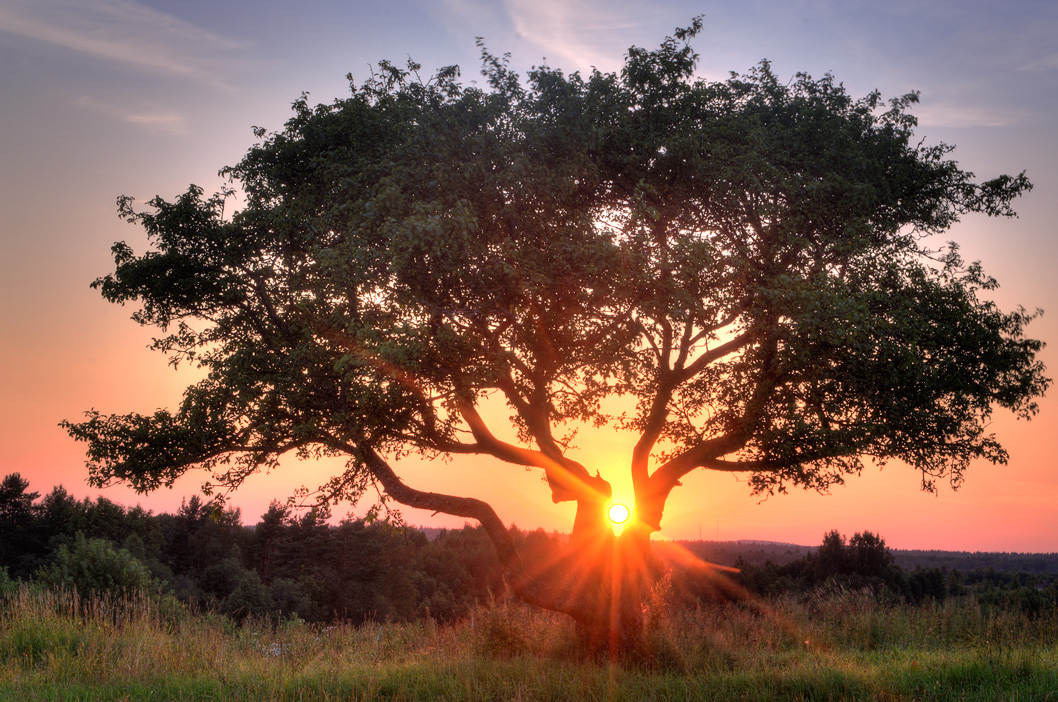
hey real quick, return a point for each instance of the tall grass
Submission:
(834, 645)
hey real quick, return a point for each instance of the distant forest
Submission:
(759, 552)
(290, 565)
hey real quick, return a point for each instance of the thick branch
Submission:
(547, 595)
(532, 408)
(569, 480)
(262, 294)
(739, 466)
(653, 426)
(706, 452)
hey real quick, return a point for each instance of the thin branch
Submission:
(716, 353)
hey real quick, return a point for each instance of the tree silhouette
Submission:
(748, 261)
(21, 539)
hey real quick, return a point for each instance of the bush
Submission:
(97, 567)
(7, 585)
(290, 599)
(502, 634)
(249, 598)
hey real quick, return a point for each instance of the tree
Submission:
(832, 557)
(22, 542)
(750, 263)
(870, 556)
(16, 504)
(62, 515)
(863, 560)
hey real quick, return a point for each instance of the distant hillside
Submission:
(753, 552)
(758, 552)
(1041, 563)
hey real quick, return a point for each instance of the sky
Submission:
(102, 98)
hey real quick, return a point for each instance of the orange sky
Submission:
(110, 97)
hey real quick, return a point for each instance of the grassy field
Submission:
(833, 646)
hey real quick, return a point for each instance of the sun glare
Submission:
(618, 513)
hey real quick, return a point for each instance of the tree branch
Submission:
(548, 595)
(569, 480)
(715, 354)
(709, 451)
(657, 415)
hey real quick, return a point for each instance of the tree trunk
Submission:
(610, 577)
(600, 581)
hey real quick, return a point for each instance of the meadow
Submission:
(832, 644)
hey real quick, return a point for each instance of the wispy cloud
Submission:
(158, 120)
(484, 16)
(170, 122)
(570, 34)
(965, 116)
(122, 31)
(581, 34)
(1047, 63)
(960, 114)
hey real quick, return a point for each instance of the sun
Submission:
(618, 513)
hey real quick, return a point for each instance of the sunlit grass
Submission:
(836, 645)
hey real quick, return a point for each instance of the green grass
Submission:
(835, 646)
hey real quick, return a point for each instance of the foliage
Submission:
(285, 566)
(15, 502)
(20, 542)
(503, 633)
(57, 519)
(861, 562)
(7, 585)
(94, 567)
(749, 260)
(864, 563)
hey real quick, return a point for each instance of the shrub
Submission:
(7, 585)
(249, 598)
(97, 567)
(502, 634)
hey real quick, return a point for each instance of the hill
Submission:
(760, 552)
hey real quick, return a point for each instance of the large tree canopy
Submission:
(752, 263)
